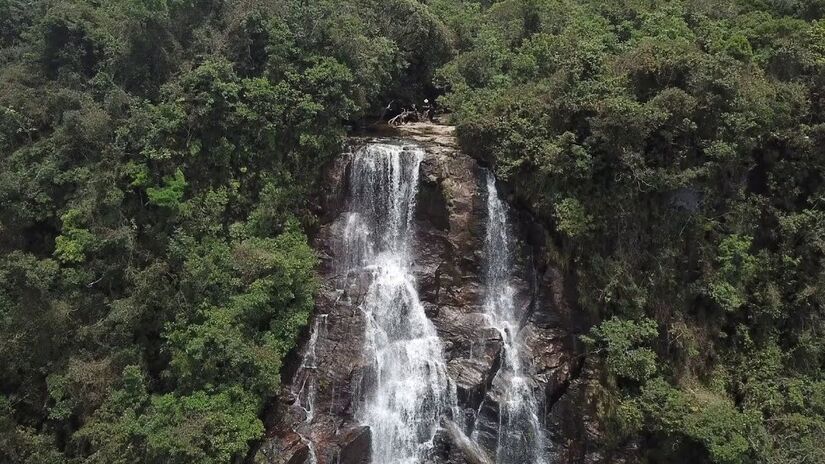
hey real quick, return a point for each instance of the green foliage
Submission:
(622, 342)
(71, 246)
(171, 194)
(23, 444)
(675, 147)
(571, 218)
(736, 269)
(200, 427)
(728, 435)
(215, 345)
(158, 161)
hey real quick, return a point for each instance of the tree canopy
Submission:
(159, 163)
(676, 150)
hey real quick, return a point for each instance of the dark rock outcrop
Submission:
(452, 446)
(356, 449)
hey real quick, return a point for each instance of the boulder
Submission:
(356, 447)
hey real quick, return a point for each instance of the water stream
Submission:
(305, 384)
(521, 437)
(409, 389)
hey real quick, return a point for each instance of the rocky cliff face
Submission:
(318, 420)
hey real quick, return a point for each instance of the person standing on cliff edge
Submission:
(429, 110)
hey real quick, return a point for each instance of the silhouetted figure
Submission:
(429, 110)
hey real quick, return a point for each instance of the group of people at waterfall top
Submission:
(414, 114)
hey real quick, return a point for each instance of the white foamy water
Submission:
(408, 389)
(521, 437)
(305, 384)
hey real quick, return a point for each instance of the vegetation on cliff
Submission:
(676, 147)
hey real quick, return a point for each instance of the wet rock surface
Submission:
(448, 248)
(452, 446)
(356, 449)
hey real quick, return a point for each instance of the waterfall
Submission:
(408, 389)
(520, 436)
(405, 391)
(304, 384)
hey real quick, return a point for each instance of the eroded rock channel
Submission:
(442, 333)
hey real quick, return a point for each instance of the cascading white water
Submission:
(520, 436)
(305, 386)
(409, 388)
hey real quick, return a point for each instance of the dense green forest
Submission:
(679, 150)
(160, 160)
